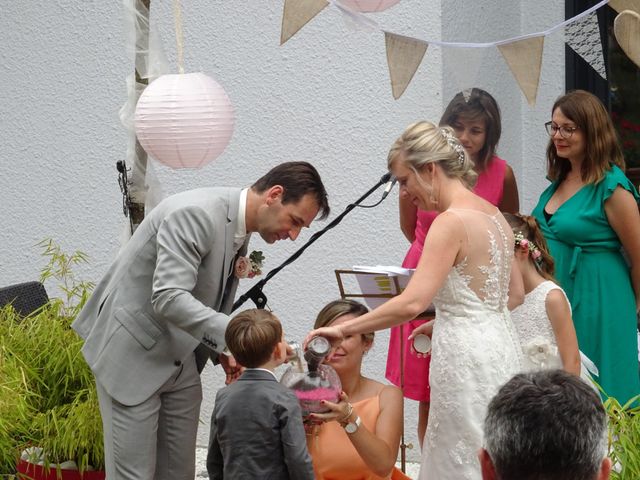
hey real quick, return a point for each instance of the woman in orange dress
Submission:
(360, 436)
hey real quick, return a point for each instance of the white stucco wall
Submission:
(323, 97)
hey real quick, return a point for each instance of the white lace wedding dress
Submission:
(475, 348)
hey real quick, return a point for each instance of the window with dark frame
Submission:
(619, 92)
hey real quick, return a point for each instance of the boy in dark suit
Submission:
(256, 429)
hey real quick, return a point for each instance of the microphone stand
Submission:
(256, 294)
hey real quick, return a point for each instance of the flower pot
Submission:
(31, 471)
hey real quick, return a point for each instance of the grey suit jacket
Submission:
(257, 432)
(163, 295)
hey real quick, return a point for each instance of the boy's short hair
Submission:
(252, 335)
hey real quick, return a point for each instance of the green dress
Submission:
(592, 271)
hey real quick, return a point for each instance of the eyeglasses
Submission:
(565, 132)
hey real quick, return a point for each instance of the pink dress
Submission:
(416, 378)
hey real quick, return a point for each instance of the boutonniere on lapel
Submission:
(249, 267)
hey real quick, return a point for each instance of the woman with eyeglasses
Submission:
(587, 214)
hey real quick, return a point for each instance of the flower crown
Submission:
(526, 244)
(454, 143)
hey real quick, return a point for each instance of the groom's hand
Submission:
(231, 368)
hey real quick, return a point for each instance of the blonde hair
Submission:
(424, 142)
(339, 308)
(601, 141)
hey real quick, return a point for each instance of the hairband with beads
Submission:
(453, 143)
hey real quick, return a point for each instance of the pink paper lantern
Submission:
(184, 120)
(369, 5)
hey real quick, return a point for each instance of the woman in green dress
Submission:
(587, 214)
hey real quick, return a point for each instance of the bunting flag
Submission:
(621, 5)
(583, 37)
(626, 27)
(296, 14)
(467, 63)
(523, 54)
(404, 55)
(524, 59)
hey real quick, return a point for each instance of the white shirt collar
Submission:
(241, 229)
(264, 370)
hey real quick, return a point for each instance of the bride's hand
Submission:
(333, 334)
(424, 329)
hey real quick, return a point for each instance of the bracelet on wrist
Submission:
(345, 419)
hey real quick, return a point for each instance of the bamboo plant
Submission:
(47, 391)
(624, 438)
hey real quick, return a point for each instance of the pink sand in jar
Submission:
(317, 394)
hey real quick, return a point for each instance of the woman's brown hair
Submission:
(602, 147)
(477, 105)
(338, 308)
(528, 227)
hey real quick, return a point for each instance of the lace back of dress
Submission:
(487, 255)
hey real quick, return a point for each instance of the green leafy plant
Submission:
(624, 438)
(47, 391)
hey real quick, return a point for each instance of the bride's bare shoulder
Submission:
(449, 222)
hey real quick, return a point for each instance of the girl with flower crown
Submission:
(543, 321)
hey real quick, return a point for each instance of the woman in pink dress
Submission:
(475, 118)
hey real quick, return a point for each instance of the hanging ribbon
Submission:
(177, 16)
(367, 22)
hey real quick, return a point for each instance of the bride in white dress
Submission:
(466, 271)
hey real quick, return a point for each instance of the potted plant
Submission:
(624, 438)
(48, 400)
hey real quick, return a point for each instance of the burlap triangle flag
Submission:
(524, 58)
(621, 5)
(404, 55)
(296, 14)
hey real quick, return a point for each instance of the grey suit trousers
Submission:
(155, 440)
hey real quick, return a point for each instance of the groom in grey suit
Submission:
(161, 311)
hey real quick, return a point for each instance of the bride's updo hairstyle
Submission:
(424, 142)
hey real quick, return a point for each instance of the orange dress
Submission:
(334, 456)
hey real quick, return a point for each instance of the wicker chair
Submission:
(25, 297)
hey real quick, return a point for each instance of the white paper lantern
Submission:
(369, 5)
(184, 120)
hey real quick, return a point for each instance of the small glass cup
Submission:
(421, 345)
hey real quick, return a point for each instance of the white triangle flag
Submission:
(583, 36)
(464, 64)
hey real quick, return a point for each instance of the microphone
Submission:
(387, 188)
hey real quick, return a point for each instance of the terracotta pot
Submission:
(31, 471)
